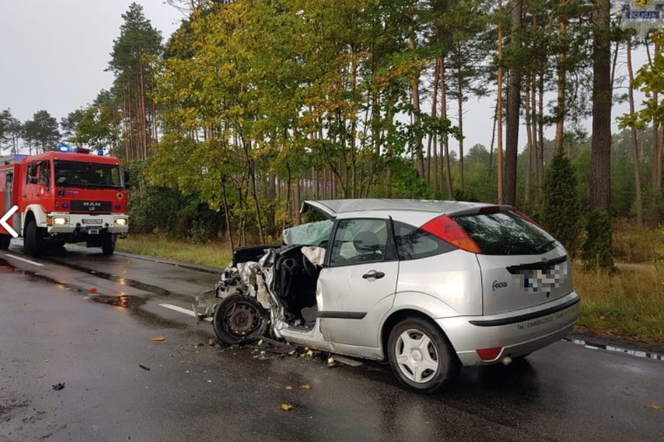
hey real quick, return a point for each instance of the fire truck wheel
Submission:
(108, 244)
(33, 239)
(5, 240)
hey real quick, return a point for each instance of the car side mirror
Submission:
(62, 181)
(126, 178)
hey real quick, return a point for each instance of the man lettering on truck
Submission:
(64, 197)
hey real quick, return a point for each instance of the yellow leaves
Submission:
(158, 339)
(286, 406)
(653, 406)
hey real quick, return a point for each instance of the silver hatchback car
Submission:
(429, 285)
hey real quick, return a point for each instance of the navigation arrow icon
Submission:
(3, 221)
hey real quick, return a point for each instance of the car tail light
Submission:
(446, 229)
(489, 354)
(527, 218)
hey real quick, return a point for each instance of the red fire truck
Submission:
(63, 197)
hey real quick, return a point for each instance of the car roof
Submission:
(334, 208)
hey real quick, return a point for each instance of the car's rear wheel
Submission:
(238, 318)
(5, 241)
(421, 356)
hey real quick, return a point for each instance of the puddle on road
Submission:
(133, 304)
(121, 300)
(117, 279)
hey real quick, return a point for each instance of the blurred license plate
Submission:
(92, 221)
(93, 231)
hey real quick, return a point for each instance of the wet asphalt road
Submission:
(53, 331)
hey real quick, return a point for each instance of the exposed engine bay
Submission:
(263, 290)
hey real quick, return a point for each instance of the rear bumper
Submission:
(77, 224)
(518, 333)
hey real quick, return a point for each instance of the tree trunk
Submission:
(434, 111)
(660, 155)
(658, 141)
(297, 201)
(529, 142)
(460, 109)
(252, 177)
(499, 113)
(445, 141)
(493, 140)
(227, 216)
(600, 179)
(513, 108)
(534, 155)
(562, 82)
(635, 145)
(415, 88)
(540, 124)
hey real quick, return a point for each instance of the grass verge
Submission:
(214, 254)
(627, 303)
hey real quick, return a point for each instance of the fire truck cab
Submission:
(63, 197)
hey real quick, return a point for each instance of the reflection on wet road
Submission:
(87, 321)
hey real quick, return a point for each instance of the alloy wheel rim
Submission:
(417, 356)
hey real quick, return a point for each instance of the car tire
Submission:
(108, 244)
(5, 241)
(34, 242)
(239, 318)
(421, 356)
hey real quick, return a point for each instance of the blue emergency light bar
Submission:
(65, 148)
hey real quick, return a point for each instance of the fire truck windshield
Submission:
(80, 174)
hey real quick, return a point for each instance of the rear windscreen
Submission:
(506, 233)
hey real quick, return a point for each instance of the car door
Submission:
(357, 285)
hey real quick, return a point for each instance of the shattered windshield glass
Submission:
(310, 234)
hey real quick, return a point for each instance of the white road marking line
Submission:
(24, 260)
(182, 310)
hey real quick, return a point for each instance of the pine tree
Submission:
(561, 207)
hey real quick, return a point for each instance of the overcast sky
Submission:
(53, 54)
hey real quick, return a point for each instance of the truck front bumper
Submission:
(65, 223)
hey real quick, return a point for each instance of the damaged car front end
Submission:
(268, 291)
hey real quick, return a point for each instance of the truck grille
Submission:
(91, 206)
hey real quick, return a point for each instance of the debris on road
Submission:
(331, 363)
(158, 339)
(59, 386)
(286, 407)
(144, 367)
(92, 290)
(212, 342)
(305, 387)
(288, 387)
(653, 406)
(348, 361)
